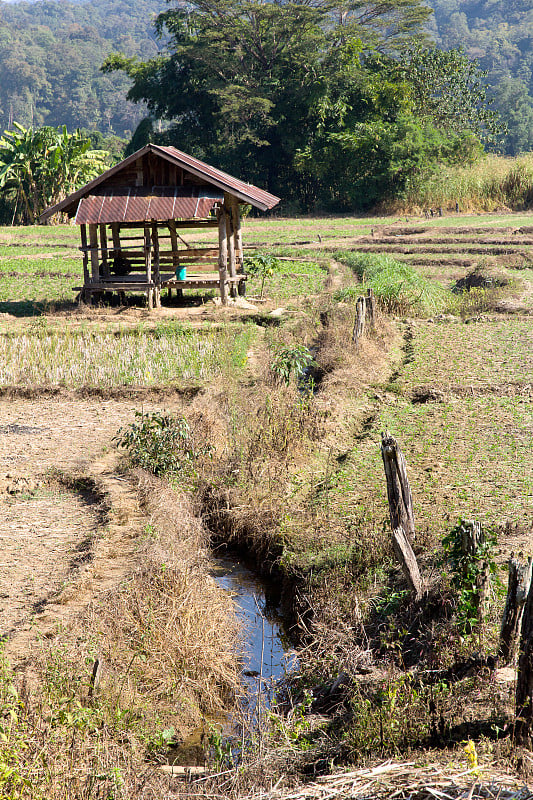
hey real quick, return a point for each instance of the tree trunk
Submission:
(517, 591)
(398, 489)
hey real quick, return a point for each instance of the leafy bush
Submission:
(159, 443)
(290, 361)
(468, 568)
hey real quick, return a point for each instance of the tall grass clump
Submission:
(397, 286)
(487, 185)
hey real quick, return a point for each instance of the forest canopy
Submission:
(325, 103)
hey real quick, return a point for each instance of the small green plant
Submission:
(159, 443)
(291, 361)
(471, 568)
(263, 266)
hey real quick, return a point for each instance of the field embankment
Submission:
(277, 418)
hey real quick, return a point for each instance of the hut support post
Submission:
(237, 232)
(157, 276)
(115, 233)
(93, 244)
(232, 269)
(148, 267)
(175, 254)
(223, 256)
(105, 252)
(83, 234)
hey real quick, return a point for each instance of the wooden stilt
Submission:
(148, 266)
(105, 254)
(175, 254)
(230, 243)
(93, 244)
(237, 232)
(115, 233)
(223, 256)
(157, 275)
(86, 279)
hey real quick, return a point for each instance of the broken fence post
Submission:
(401, 511)
(524, 681)
(398, 489)
(517, 592)
(407, 559)
(371, 307)
(472, 538)
(359, 323)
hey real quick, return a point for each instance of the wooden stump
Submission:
(398, 489)
(524, 683)
(371, 308)
(472, 538)
(517, 592)
(359, 323)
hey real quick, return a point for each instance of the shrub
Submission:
(159, 443)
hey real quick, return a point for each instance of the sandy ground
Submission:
(60, 546)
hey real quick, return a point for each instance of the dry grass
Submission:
(167, 640)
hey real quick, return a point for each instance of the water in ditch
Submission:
(266, 657)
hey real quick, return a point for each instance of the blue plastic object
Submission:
(181, 273)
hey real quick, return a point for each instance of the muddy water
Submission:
(266, 650)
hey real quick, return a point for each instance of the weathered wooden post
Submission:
(157, 274)
(371, 307)
(524, 682)
(517, 592)
(232, 269)
(472, 538)
(93, 246)
(401, 511)
(148, 266)
(359, 323)
(105, 254)
(83, 233)
(398, 489)
(223, 256)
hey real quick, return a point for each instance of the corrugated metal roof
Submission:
(246, 192)
(125, 204)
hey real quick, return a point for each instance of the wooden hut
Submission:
(130, 219)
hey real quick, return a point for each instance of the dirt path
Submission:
(60, 545)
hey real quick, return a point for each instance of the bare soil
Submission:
(64, 539)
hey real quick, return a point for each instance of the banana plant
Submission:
(41, 166)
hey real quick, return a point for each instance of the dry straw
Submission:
(390, 781)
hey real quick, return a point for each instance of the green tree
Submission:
(241, 78)
(40, 167)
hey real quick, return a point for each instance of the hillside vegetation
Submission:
(500, 35)
(50, 57)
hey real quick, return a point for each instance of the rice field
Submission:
(166, 356)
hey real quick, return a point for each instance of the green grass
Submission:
(470, 355)
(397, 285)
(292, 281)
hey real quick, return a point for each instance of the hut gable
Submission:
(155, 166)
